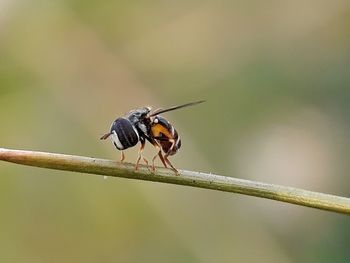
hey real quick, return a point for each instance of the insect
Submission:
(141, 125)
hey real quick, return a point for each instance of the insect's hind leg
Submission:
(159, 153)
(172, 141)
(170, 164)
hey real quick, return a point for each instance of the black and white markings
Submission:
(123, 134)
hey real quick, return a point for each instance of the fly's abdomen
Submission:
(166, 135)
(166, 145)
(124, 135)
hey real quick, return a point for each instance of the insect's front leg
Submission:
(122, 156)
(140, 156)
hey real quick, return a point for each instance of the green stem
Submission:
(196, 179)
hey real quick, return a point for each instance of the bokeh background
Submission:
(276, 77)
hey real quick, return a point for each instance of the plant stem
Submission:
(196, 179)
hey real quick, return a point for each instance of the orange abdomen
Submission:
(166, 135)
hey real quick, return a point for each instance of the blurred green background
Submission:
(276, 77)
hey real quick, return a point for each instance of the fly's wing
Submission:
(160, 111)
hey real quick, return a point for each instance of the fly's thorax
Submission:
(138, 115)
(139, 118)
